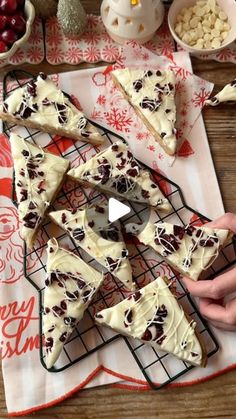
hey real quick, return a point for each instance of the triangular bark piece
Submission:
(41, 105)
(154, 316)
(152, 95)
(69, 289)
(102, 240)
(115, 171)
(38, 178)
(190, 249)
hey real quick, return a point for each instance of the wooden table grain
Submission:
(215, 398)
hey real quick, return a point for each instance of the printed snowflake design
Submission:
(166, 48)
(145, 56)
(180, 72)
(151, 148)
(73, 55)
(101, 100)
(110, 53)
(92, 54)
(200, 98)
(96, 115)
(140, 136)
(118, 119)
(55, 56)
(35, 55)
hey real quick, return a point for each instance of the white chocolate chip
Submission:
(203, 25)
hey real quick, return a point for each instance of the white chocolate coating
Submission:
(103, 241)
(38, 176)
(190, 250)
(154, 97)
(116, 171)
(154, 316)
(41, 102)
(70, 287)
(227, 94)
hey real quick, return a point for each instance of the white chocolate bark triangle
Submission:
(69, 289)
(38, 178)
(154, 316)
(227, 94)
(116, 172)
(152, 95)
(102, 240)
(190, 249)
(40, 104)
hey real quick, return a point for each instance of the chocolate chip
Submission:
(63, 218)
(207, 243)
(51, 328)
(119, 155)
(72, 296)
(158, 73)
(41, 173)
(124, 253)
(32, 205)
(153, 186)
(46, 310)
(78, 234)
(62, 117)
(86, 295)
(233, 83)
(58, 310)
(163, 134)
(148, 73)
(42, 75)
(63, 305)
(112, 264)
(167, 110)
(132, 172)
(25, 153)
(151, 104)
(24, 194)
(99, 209)
(51, 250)
(114, 147)
(91, 224)
(69, 321)
(137, 85)
(99, 316)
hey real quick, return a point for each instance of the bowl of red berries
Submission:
(16, 18)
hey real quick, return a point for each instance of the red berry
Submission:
(17, 23)
(3, 22)
(8, 6)
(3, 47)
(8, 36)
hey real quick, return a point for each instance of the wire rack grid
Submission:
(158, 368)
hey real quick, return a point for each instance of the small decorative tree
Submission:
(132, 19)
(72, 17)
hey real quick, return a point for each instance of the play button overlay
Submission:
(117, 210)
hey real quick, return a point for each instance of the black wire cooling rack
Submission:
(158, 368)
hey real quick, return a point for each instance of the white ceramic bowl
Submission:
(30, 15)
(228, 6)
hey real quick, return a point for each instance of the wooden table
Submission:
(213, 399)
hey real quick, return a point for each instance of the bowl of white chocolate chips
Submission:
(203, 26)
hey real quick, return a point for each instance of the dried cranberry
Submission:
(63, 218)
(145, 194)
(136, 295)
(207, 243)
(91, 224)
(80, 283)
(31, 88)
(151, 104)
(41, 173)
(72, 296)
(22, 172)
(58, 310)
(99, 316)
(114, 147)
(63, 337)
(26, 111)
(99, 209)
(86, 295)
(49, 343)
(47, 102)
(104, 170)
(147, 335)
(189, 230)
(132, 172)
(63, 305)
(46, 310)
(112, 264)
(24, 194)
(51, 328)
(179, 231)
(113, 234)
(61, 109)
(78, 234)
(32, 205)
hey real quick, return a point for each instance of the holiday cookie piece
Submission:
(116, 171)
(38, 178)
(152, 95)
(227, 94)
(42, 105)
(154, 316)
(69, 289)
(190, 250)
(102, 240)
